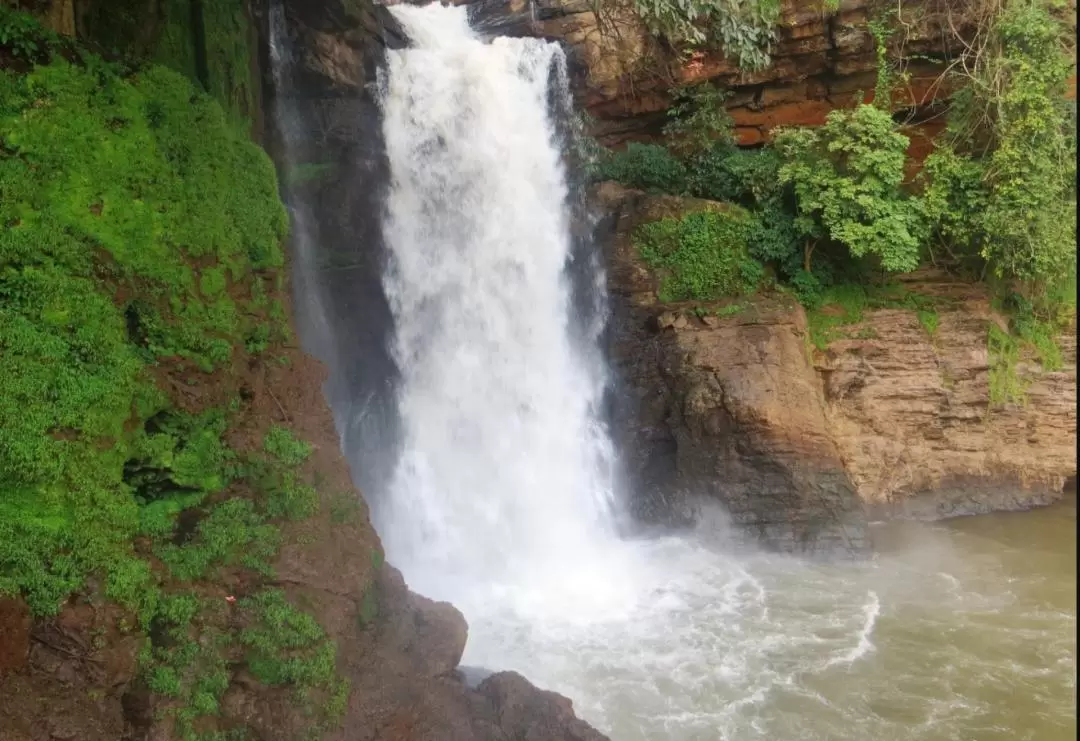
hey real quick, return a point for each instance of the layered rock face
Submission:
(801, 446)
(821, 60)
(721, 408)
(912, 417)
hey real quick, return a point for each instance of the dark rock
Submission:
(528, 714)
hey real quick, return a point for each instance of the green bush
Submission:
(283, 446)
(113, 186)
(701, 256)
(698, 120)
(645, 166)
(847, 179)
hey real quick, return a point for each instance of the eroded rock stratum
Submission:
(802, 446)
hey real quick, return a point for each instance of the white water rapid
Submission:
(502, 501)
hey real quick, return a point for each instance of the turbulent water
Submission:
(503, 502)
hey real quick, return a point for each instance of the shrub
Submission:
(697, 120)
(701, 256)
(1005, 183)
(646, 166)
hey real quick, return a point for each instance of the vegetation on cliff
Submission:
(830, 213)
(140, 263)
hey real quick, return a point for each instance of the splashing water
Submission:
(502, 498)
(505, 476)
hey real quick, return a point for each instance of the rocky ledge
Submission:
(803, 446)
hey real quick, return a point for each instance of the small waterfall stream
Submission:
(501, 498)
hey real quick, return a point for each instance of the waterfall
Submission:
(504, 483)
(499, 494)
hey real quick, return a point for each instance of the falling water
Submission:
(505, 478)
(502, 498)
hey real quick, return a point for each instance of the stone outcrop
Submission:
(734, 404)
(721, 408)
(912, 417)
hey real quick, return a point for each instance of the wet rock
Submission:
(528, 714)
(819, 61)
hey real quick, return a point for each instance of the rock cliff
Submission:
(732, 402)
(912, 417)
(820, 61)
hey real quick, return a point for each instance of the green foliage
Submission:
(744, 31)
(233, 533)
(286, 646)
(954, 197)
(847, 176)
(646, 166)
(142, 236)
(881, 31)
(23, 36)
(1005, 187)
(701, 256)
(1006, 386)
(697, 119)
(928, 319)
(283, 446)
(113, 186)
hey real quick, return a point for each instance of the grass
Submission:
(846, 304)
(1006, 386)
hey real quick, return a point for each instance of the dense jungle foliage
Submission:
(829, 212)
(140, 258)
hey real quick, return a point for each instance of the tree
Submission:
(847, 176)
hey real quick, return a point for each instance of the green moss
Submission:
(113, 186)
(286, 646)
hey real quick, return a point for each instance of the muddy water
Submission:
(958, 631)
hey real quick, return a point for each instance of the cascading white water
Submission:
(502, 497)
(505, 477)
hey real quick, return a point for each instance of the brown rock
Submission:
(528, 714)
(912, 416)
(796, 445)
(728, 409)
(15, 624)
